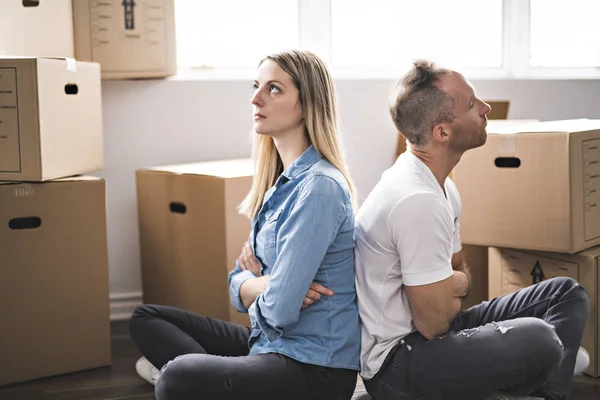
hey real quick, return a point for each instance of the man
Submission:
(411, 276)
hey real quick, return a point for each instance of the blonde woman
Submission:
(295, 276)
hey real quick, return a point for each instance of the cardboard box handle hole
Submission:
(31, 3)
(71, 88)
(25, 223)
(177, 208)
(507, 162)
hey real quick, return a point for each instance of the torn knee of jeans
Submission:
(468, 332)
(503, 329)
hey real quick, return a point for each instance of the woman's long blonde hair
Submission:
(319, 111)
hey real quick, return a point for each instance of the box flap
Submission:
(9, 57)
(224, 168)
(560, 126)
(594, 252)
(78, 178)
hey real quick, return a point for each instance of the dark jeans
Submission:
(523, 343)
(208, 359)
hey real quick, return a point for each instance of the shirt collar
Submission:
(302, 163)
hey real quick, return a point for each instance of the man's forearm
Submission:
(252, 288)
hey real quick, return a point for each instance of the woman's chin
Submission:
(262, 131)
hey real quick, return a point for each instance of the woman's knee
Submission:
(139, 316)
(179, 378)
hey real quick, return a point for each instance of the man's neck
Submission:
(440, 163)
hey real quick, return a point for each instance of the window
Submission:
(360, 38)
(389, 33)
(233, 33)
(565, 33)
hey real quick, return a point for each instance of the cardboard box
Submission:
(499, 109)
(36, 28)
(191, 234)
(511, 270)
(477, 262)
(53, 278)
(50, 119)
(130, 39)
(534, 187)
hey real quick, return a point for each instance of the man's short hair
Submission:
(419, 103)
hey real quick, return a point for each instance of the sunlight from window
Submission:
(233, 33)
(390, 33)
(565, 33)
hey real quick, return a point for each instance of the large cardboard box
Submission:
(130, 39)
(191, 234)
(53, 278)
(50, 118)
(533, 187)
(511, 270)
(36, 28)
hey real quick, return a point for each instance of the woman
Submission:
(301, 345)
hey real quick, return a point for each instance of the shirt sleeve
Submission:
(456, 209)
(422, 229)
(303, 239)
(236, 277)
(457, 243)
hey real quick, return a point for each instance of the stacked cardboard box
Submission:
(129, 39)
(191, 234)
(532, 194)
(53, 245)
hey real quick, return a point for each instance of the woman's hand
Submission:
(314, 294)
(248, 262)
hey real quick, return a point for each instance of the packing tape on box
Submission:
(71, 64)
(507, 143)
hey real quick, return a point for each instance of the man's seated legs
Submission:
(524, 343)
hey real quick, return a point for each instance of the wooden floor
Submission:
(120, 382)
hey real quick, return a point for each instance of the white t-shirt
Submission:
(406, 233)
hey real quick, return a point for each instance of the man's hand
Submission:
(314, 294)
(462, 276)
(460, 284)
(248, 262)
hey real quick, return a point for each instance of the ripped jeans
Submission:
(524, 343)
(205, 358)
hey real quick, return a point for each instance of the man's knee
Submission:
(569, 286)
(544, 349)
(575, 296)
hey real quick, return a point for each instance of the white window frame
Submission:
(315, 34)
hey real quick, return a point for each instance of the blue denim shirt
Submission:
(304, 232)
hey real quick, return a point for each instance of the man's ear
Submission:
(441, 132)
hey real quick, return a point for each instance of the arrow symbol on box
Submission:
(128, 7)
(537, 273)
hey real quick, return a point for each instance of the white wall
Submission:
(148, 123)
